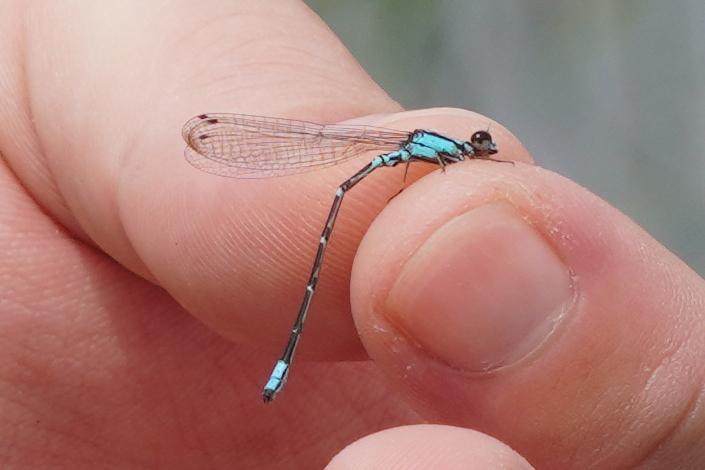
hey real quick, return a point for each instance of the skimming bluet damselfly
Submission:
(243, 146)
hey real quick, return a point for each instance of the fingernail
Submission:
(483, 292)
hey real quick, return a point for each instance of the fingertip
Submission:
(427, 446)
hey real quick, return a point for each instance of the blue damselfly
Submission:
(243, 146)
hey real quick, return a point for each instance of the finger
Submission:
(101, 150)
(527, 308)
(427, 446)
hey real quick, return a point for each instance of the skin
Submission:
(143, 302)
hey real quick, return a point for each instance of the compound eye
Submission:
(481, 138)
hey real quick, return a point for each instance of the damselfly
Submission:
(242, 146)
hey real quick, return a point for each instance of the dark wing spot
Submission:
(203, 136)
(202, 116)
(213, 121)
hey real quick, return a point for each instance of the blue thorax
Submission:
(424, 145)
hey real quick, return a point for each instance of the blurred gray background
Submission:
(608, 93)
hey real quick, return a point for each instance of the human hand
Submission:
(592, 330)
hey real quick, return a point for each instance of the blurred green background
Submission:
(608, 93)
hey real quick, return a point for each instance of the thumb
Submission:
(510, 300)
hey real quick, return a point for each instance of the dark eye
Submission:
(481, 138)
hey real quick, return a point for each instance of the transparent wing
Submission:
(243, 146)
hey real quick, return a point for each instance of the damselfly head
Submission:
(482, 144)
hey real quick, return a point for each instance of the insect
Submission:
(243, 146)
